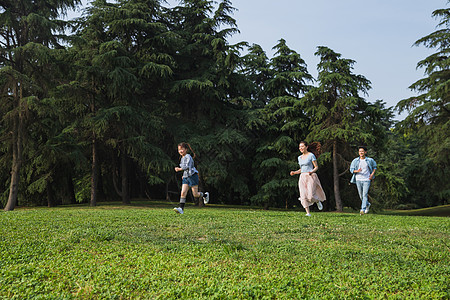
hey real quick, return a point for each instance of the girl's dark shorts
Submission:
(191, 180)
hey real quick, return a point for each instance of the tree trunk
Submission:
(50, 195)
(71, 188)
(14, 186)
(17, 154)
(94, 174)
(141, 185)
(337, 193)
(124, 174)
(167, 190)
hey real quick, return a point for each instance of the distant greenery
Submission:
(124, 252)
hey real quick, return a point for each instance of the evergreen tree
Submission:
(256, 71)
(284, 124)
(114, 99)
(429, 112)
(29, 30)
(207, 107)
(340, 118)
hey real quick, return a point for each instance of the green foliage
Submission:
(340, 118)
(429, 112)
(337, 111)
(203, 100)
(282, 122)
(420, 181)
(136, 78)
(429, 115)
(149, 252)
(30, 34)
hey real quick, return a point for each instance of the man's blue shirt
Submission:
(355, 164)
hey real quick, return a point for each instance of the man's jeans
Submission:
(363, 190)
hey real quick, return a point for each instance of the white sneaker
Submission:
(361, 212)
(366, 211)
(308, 215)
(319, 205)
(178, 210)
(206, 198)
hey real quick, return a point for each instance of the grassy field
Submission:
(149, 252)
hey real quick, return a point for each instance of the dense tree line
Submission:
(96, 115)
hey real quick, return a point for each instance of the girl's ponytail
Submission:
(193, 153)
(315, 148)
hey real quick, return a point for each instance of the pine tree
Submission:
(429, 112)
(114, 97)
(284, 124)
(209, 111)
(340, 117)
(256, 69)
(29, 30)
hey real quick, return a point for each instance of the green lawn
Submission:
(149, 252)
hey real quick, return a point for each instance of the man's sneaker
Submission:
(319, 205)
(366, 211)
(178, 210)
(361, 212)
(206, 198)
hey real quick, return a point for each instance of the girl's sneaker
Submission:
(178, 210)
(206, 198)
(319, 205)
(308, 215)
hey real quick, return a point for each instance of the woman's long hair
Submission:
(315, 148)
(187, 146)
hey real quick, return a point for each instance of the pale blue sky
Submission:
(377, 34)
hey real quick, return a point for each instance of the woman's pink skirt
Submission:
(310, 189)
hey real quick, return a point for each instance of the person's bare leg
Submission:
(184, 191)
(307, 211)
(199, 195)
(195, 192)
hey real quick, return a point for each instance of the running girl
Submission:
(308, 183)
(189, 178)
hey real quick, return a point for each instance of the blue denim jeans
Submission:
(363, 190)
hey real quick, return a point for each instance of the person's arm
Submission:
(374, 169)
(184, 165)
(316, 167)
(353, 167)
(296, 172)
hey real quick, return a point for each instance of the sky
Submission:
(377, 34)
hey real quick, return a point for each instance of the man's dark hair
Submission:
(362, 147)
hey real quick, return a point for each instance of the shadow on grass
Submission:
(437, 211)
